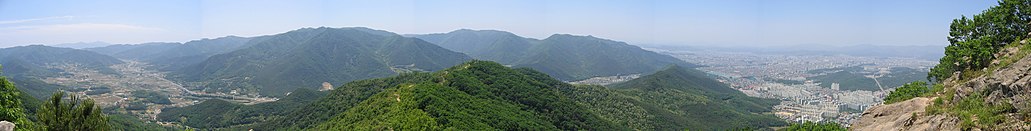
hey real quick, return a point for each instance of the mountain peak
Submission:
(474, 64)
(483, 32)
(555, 36)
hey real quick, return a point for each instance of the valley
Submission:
(135, 89)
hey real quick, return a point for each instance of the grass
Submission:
(972, 110)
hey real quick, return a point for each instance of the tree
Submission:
(973, 40)
(74, 114)
(906, 92)
(11, 105)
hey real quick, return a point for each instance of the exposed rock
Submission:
(906, 115)
(6, 126)
(326, 86)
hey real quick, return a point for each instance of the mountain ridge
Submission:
(563, 56)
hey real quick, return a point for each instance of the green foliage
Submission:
(338, 100)
(59, 114)
(212, 113)
(471, 96)
(906, 92)
(36, 88)
(974, 111)
(215, 114)
(489, 80)
(813, 126)
(430, 106)
(11, 108)
(482, 95)
(677, 98)
(974, 40)
(152, 97)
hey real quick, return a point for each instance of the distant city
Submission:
(789, 78)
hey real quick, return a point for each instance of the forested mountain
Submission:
(477, 95)
(26, 65)
(483, 95)
(674, 99)
(570, 57)
(499, 46)
(305, 58)
(194, 52)
(566, 57)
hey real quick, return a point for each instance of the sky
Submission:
(651, 22)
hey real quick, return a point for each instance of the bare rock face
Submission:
(906, 115)
(6, 126)
(326, 86)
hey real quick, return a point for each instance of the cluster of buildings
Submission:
(786, 78)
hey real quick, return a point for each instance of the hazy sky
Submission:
(712, 22)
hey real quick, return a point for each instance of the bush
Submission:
(11, 108)
(908, 91)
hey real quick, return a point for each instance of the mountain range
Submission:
(563, 56)
(306, 58)
(433, 81)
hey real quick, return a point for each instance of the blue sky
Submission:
(680, 22)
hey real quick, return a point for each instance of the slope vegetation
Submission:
(477, 95)
(674, 99)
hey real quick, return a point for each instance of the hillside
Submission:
(566, 57)
(674, 99)
(213, 114)
(482, 95)
(995, 100)
(27, 65)
(982, 83)
(477, 95)
(305, 58)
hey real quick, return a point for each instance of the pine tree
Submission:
(74, 114)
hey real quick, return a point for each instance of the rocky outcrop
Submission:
(904, 116)
(1009, 85)
(6, 126)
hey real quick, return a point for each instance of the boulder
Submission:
(6, 126)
